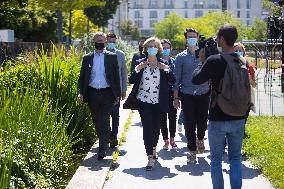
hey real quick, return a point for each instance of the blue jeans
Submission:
(233, 131)
(115, 121)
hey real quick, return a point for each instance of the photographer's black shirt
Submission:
(213, 69)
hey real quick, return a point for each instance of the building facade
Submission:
(145, 13)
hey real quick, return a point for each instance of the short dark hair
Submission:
(189, 30)
(111, 35)
(166, 41)
(229, 33)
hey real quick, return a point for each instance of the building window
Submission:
(238, 4)
(153, 4)
(248, 22)
(138, 4)
(248, 4)
(248, 14)
(153, 14)
(185, 14)
(185, 4)
(198, 13)
(169, 4)
(167, 13)
(152, 23)
(198, 4)
(139, 23)
(137, 14)
(213, 4)
(145, 32)
(238, 14)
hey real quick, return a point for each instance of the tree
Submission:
(79, 25)
(171, 27)
(128, 28)
(274, 9)
(100, 15)
(258, 30)
(69, 6)
(29, 21)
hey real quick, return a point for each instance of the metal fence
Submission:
(11, 50)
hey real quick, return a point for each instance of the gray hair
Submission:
(100, 34)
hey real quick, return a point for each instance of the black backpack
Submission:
(234, 93)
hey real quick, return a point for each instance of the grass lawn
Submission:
(265, 146)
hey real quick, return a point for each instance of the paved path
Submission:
(91, 174)
(171, 170)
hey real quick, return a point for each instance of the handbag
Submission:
(130, 102)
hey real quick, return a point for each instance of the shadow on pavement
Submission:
(247, 172)
(157, 173)
(195, 169)
(93, 164)
(139, 124)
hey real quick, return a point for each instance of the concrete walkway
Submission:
(91, 174)
(171, 171)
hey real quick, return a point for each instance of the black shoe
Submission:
(101, 157)
(113, 143)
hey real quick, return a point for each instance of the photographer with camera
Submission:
(194, 98)
(230, 99)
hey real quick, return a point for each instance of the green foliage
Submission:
(128, 28)
(271, 7)
(79, 25)
(67, 5)
(30, 22)
(100, 14)
(41, 118)
(173, 26)
(258, 30)
(265, 146)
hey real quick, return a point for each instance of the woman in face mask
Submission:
(172, 114)
(240, 51)
(152, 78)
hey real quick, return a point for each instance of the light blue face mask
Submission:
(192, 42)
(111, 46)
(166, 52)
(239, 53)
(152, 51)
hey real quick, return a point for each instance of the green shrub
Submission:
(265, 146)
(41, 118)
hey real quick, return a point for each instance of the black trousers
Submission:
(101, 102)
(151, 121)
(195, 108)
(172, 116)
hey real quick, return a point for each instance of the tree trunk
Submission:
(70, 27)
(88, 30)
(59, 26)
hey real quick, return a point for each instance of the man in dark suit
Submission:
(99, 86)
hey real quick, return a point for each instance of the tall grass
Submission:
(41, 119)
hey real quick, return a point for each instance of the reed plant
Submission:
(43, 128)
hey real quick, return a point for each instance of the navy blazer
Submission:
(166, 80)
(111, 71)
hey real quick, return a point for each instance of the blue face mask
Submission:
(192, 42)
(166, 52)
(152, 51)
(111, 46)
(239, 53)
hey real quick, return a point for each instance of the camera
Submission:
(209, 45)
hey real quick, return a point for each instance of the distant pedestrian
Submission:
(151, 79)
(138, 55)
(172, 114)
(111, 46)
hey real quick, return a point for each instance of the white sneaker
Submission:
(179, 127)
